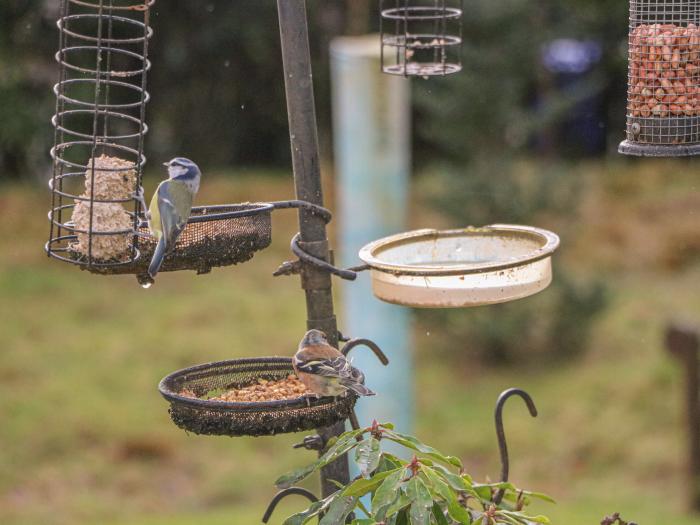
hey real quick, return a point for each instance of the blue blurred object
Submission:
(576, 57)
(372, 125)
(583, 130)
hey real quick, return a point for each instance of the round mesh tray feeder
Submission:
(214, 236)
(221, 418)
(663, 97)
(421, 37)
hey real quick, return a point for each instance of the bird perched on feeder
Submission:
(170, 207)
(324, 370)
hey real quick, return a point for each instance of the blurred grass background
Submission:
(85, 437)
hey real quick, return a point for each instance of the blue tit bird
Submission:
(170, 207)
(324, 370)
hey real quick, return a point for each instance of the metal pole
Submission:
(372, 142)
(303, 134)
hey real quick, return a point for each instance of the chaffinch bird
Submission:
(324, 370)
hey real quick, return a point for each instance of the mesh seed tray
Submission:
(268, 418)
(215, 236)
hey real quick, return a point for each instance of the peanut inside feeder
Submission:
(664, 83)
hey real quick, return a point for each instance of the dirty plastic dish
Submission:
(461, 268)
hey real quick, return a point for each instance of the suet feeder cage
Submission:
(186, 391)
(663, 92)
(421, 37)
(98, 155)
(461, 268)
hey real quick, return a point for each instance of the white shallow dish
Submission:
(461, 268)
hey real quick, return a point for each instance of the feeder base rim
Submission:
(658, 150)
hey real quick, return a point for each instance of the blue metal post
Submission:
(371, 113)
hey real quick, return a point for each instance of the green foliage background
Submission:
(217, 81)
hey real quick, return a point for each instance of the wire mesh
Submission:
(215, 236)
(421, 37)
(663, 98)
(99, 131)
(220, 418)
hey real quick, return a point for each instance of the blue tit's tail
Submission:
(158, 256)
(358, 388)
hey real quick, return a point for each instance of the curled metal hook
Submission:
(297, 250)
(500, 432)
(352, 343)
(283, 494)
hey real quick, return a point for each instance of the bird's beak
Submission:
(166, 164)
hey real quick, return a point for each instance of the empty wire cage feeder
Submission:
(421, 37)
(98, 155)
(663, 97)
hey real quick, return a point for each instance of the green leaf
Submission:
(363, 521)
(303, 517)
(338, 511)
(524, 517)
(419, 515)
(388, 426)
(344, 444)
(412, 443)
(455, 510)
(454, 480)
(540, 496)
(362, 486)
(391, 459)
(439, 515)
(397, 506)
(419, 493)
(388, 491)
(367, 455)
(290, 478)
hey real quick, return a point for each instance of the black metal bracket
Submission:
(295, 267)
(283, 494)
(352, 343)
(500, 432)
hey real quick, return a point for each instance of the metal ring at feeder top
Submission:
(421, 13)
(61, 23)
(143, 6)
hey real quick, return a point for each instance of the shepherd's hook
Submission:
(283, 494)
(500, 432)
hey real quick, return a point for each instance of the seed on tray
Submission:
(260, 391)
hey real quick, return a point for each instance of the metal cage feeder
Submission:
(421, 37)
(663, 96)
(98, 155)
